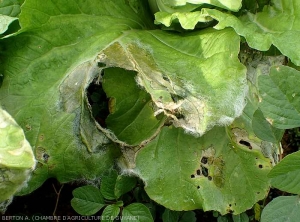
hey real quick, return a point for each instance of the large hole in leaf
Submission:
(99, 102)
(119, 104)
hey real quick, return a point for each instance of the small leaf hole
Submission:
(245, 143)
(192, 176)
(204, 160)
(204, 171)
(209, 178)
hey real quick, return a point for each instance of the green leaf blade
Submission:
(280, 97)
(110, 213)
(204, 174)
(131, 114)
(137, 211)
(87, 200)
(282, 209)
(285, 175)
(264, 130)
(124, 184)
(108, 183)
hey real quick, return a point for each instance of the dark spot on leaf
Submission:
(166, 78)
(175, 98)
(192, 176)
(46, 157)
(204, 171)
(101, 64)
(260, 166)
(209, 178)
(204, 160)
(229, 205)
(198, 172)
(257, 192)
(245, 143)
(198, 187)
(28, 127)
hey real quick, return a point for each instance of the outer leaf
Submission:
(47, 70)
(110, 213)
(137, 211)
(192, 85)
(260, 31)
(213, 172)
(280, 97)
(286, 175)
(16, 157)
(188, 20)
(131, 114)
(233, 5)
(282, 209)
(87, 200)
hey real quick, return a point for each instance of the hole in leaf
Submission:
(260, 166)
(204, 171)
(198, 187)
(99, 102)
(245, 143)
(257, 192)
(198, 172)
(204, 160)
(209, 178)
(192, 176)
(101, 64)
(166, 78)
(230, 205)
(46, 157)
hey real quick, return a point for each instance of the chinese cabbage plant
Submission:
(198, 93)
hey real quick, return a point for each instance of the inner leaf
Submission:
(131, 111)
